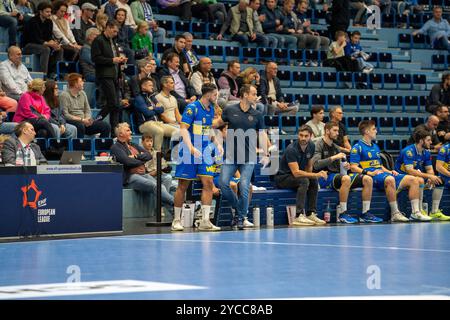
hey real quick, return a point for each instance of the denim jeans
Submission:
(70, 133)
(243, 39)
(228, 171)
(147, 183)
(442, 44)
(7, 127)
(9, 23)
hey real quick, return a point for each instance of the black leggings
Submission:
(43, 128)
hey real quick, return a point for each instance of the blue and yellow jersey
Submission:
(410, 157)
(366, 156)
(444, 155)
(199, 121)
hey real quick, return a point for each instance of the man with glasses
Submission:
(336, 115)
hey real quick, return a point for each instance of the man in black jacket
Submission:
(133, 158)
(184, 92)
(439, 95)
(105, 54)
(340, 17)
(38, 39)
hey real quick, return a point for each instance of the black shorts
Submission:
(334, 181)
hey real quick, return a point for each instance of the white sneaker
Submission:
(207, 226)
(247, 224)
(313, 217)
(367, 70)
(399, 217)
(176, 225)
(302, 220)
(420, 217)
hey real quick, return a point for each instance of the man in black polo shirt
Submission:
(336, 115)
(178, 48)
(431, 125)
(443, 129)
(38, 39)
(245, 126)
(296, 173)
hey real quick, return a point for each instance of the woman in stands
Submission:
(61, 127)
(251, 76)
(141, 42)
(33, 108)
(100, 21)
(125, 35)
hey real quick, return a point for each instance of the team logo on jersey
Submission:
(442, 150)
(369, 154)
(354, 151)
(189, 112)
(250, 118)
(409, 153)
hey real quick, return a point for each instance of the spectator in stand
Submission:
(86, 22)
(141, 42)
(354, 50)
(142, 12)
(291, 23)
(63, 33)
(440, 94)
(180, 8)
(108, 60)
(9, 19)
(178, 47)
(14, 76)
(3, 138)
(100, 21)
(438, 29)
(147, 115)
(202, 76)
(191, 57)
(342, 140)
(109, 8)
(240, 24)
(38, 39)
(77, 111)
(147, 68)
(312, 39)
(216, 10)
(443, 129)
(61, 127)
(33, 108)
(336, 56)
(125, 35)
(129, 21)
(431, 126)
(23, 140)
(228, 88)
(258, 19)
(359, 5)
(340, 17)
(6, 105)
(251, 76)
(406, 7)
(171, 114)
(133, 157)
(271, 93)
(73, 12)
(316, 123)
(24, 8)
(273, 25)
(86, 63)
(183, 91)
(5, 126)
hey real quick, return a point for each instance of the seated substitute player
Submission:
(442, 166)
(328, 157)
(365, 159)
(195, 131)
(415, 160)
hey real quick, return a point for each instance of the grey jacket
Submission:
(321, 159)
(13, 144)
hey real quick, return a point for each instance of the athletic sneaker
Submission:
(247, 224)
(176, 225)
(399, 217)
(369, 218)
(438, 215)
(420, 217)
(207, 226)
(313, 217)
(423, 212)
(346, 218)
(302, 220)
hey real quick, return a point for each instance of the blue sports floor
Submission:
(283, 263)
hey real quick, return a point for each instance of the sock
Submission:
(437, 196)
(177, 213)
(205, 212)
(415, 206)
(394, 207)
(421, 197)
(365, 206)
(343, 207)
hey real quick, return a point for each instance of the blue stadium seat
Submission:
(250, 54)
(265, 54)
(386, 125)
(345, 78)
(402, 125)
(334, 100)
(438, 62)
(365, 103)
(419, 41)
(318, 99)
(404, 40)
(350, 103)
(393, 145)
(285, 77)
(216, 53)
(302, 120)
(42, 143)
(65, 67)
(312, 55)
(281, 54)
(360, 77)
(303, 99)
(373, 58)
(390, 81)
(295, 56)
(352, 124)
(396, 103)
(161, 47)
(402, 19)
(233, 52)
(412, 104)
(404, 81)
(415, 21)
(83, 145)
(289, 122)
(288, 97)
(272, 121)
(381, 103)
(385, 58)
(388, 20)
(61, 143)
(329, 79)
(199, 28)
(213, 28)
(102, 145)
(376, 80)
(315, 79)
(182, 27)
(199, 49)
(416, 121)
(299, 79)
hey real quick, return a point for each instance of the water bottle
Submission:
(256, 217)
(343, 171)
(27, 157)
(327, 213)
(19, 158)
(269, 216)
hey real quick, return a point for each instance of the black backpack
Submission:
(387, 160)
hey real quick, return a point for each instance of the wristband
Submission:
(364, 171)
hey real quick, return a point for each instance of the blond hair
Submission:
(245, 75)
(121, 126)
(36, 85)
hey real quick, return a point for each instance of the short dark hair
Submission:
(245, 89)
(20, 127)
(231, 63)
(305, 128)
(208, 87)
(364, 125)
(120, 9)
(330, 125)
(112, 23)
(421, 134)
(146, 136)
(179, 36)
(445, 76)
(44, 5)
(57, 5)
(145, 80)
(439, 108)
(171, 56)
(356, 33)
(316, 109)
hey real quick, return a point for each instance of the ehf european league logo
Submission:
(31, 198)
